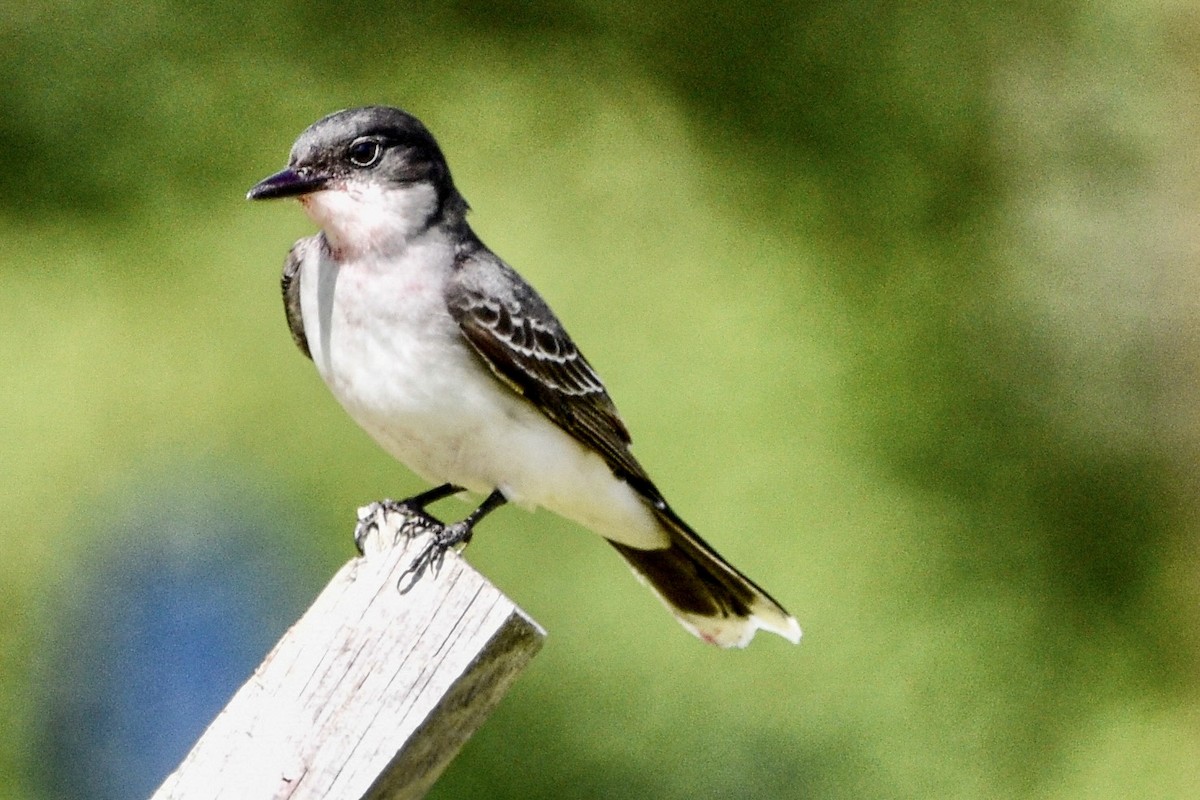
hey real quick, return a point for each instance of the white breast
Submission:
(384, 342)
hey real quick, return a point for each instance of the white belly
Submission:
(385, 344)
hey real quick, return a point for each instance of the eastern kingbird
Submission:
(459, 369)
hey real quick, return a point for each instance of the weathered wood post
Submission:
(372, 692)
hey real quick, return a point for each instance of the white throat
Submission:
(360, 218)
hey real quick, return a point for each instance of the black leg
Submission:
(447, 536)
(489, 504)
(419, 501)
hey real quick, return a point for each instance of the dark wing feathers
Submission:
(524, 344)
(290, 283)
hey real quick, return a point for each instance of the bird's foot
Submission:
(371, 516)
(442, 538)
(412, 510)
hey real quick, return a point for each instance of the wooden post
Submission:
(372, 692)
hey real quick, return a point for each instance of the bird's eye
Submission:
(365, 153)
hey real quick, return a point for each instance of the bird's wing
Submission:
(290, 284)
(523, 343)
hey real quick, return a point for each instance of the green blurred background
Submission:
(899, 301)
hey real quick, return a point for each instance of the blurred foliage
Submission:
(922, 281)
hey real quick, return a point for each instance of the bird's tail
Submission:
(705, 592)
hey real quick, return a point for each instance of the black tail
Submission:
(706, 593)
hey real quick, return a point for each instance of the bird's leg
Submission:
(446, 536)
(419, 501)
(412, 509)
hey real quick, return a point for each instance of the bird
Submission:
(459, 369)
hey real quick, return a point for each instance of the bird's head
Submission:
(371, 177)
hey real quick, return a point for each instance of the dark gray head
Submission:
(359, 167)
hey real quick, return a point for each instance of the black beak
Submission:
(288, 183)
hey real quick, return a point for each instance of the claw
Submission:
(368, 521)
(433, 553)
(370, 516)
